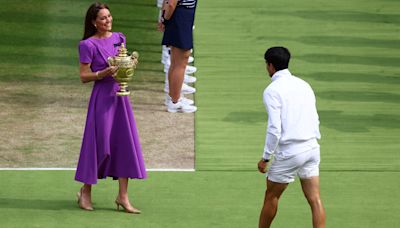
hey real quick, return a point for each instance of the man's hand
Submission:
(262, 166)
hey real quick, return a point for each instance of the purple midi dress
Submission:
(110, 145)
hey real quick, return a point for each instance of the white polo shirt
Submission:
(293, 123)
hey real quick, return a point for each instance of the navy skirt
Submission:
(179, 29)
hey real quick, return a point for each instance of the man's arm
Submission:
(273, 134)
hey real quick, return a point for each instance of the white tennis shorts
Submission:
(305, 165)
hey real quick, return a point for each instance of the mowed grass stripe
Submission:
(41, 94)
(347, 50)
(196, 199)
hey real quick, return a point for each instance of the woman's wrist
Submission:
(98, 77)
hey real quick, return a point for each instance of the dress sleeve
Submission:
(122, 38)
(86, 52)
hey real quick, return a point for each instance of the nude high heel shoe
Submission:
(127, 208)
(84, 207)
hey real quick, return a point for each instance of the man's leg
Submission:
(311, 192)
(272, 195)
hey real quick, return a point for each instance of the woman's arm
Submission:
(87, 75)
(169, 8)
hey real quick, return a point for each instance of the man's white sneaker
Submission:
(180, 107)
(186, 89)
(183, 99)
(189, 79)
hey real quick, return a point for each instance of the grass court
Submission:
(349, 51)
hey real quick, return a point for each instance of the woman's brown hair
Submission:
(91, 15)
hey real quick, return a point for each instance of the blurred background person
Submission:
(177, 23)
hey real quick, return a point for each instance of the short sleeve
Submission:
(86, 51)
(122, 38)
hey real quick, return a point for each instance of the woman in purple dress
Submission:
(110, 146)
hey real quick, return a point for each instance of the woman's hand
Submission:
(87, 75)
(160, 26)
(111, 70)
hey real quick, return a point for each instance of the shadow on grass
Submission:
(247, 117)
(337, 41)
(357, 123)
(329, 118)
(18, 41)
(353, 77)
(346, 41)
(35, 59)
(135, 3)
(358, 96)
(38, 204)
(348, 16)
(336, 16)
(41, 204)
(346, 59)
(28, 99)
(14, 16)
(145, 25)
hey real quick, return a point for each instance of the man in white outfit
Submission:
(291, 139)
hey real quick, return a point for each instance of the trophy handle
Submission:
(129, 72)
(135, 55)
(135, 58)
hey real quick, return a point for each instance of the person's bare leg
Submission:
(176, 73)
(311, 192)
(270, 207)
(85, 197)
(122, 198)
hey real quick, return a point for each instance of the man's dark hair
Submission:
(278, 56)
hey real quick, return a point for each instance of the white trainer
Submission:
(166, 68)
(190, 69)
(186, 89)
(189, 79)
(159, 3)
(183, 99)
(165, 55)
(166, 59)
(180, 107)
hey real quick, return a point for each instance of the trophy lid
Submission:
(122, 52)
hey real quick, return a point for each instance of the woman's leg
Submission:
(179, 60)
(123, 199)
(85, 197)
(123, 190)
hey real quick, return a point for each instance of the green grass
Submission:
(201, 199)
(41, 93)
(347, 50)
(41, 38)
